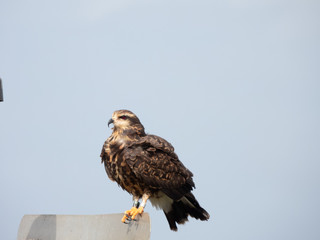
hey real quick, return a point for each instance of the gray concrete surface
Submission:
(83, 227)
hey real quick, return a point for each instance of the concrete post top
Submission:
(84, 227)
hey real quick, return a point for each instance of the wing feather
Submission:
(154, 162)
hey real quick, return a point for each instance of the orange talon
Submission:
(127, 215)
(131, 214)
(124, 218)
(138, 211)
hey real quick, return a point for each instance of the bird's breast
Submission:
(120, 171)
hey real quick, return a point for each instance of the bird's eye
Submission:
(124, 117)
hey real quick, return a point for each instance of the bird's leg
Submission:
(136, 209)
(145, 198)
(139, 210)
(128, 214)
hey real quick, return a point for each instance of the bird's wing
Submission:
(154, 162)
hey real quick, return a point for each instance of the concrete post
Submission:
(83, 227)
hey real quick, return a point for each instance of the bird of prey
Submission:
(147, 167)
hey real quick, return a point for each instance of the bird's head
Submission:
(123, 120)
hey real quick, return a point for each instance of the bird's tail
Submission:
(181, 209)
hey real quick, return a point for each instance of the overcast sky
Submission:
(233, 85)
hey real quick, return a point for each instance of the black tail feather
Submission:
(171, 220)
(181, 209)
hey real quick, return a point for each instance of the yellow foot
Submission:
(132, 213)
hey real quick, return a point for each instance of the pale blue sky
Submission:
(233, 85)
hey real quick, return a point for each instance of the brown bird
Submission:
(147, 167)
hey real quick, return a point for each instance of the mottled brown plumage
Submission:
(147, 167)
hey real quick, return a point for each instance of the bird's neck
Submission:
(128, 134)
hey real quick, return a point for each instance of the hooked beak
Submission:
(110, 121)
